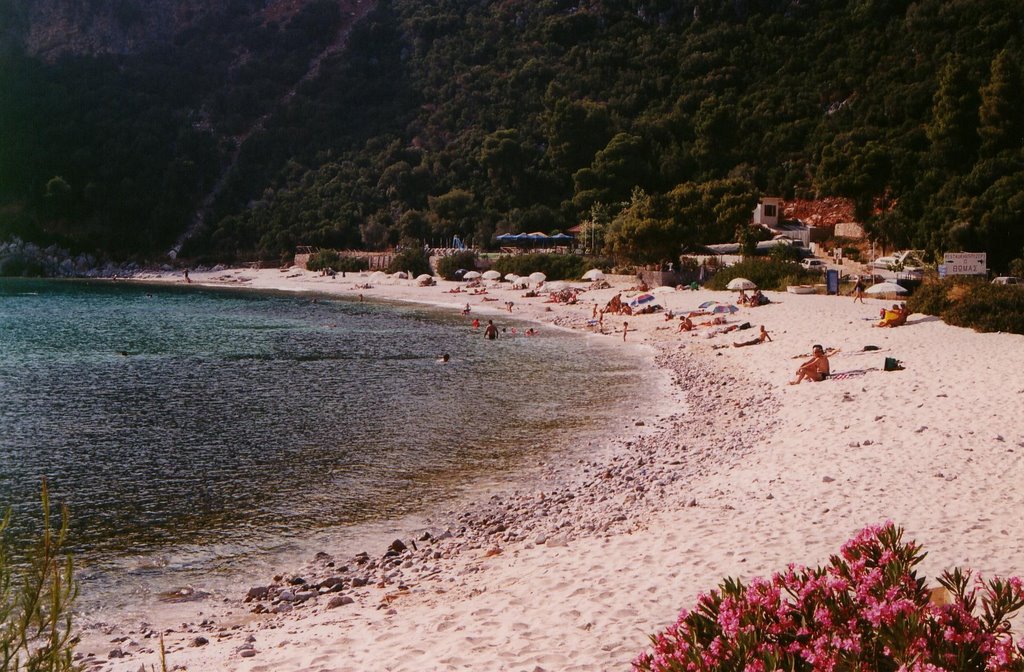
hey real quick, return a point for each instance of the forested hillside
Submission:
(662, 120)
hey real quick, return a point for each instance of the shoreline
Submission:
(733, 474)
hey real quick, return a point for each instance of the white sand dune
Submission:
(737, 474)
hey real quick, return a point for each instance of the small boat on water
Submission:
(801, 289)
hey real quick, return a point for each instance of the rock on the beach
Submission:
(199, 641)
(339, 601)
(257, 593)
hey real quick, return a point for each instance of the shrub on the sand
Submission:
(867, 609)
(965, 301)
(448, 265)
(331, 259)
(412, 260)
(554, 266)
(36, 594)
(765, 273)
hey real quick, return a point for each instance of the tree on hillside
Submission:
(615, 171)
(1000, 114)
(953, 130)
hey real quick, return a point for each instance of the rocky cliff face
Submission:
(49, 29)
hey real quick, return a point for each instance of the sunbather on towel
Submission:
(815, 369)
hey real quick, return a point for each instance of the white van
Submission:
(1007, 280)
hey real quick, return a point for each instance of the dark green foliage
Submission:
(448, 265)
(461, 118)
(17, 265)
(554, 266)
(412, 260)
(765, 273)
(973, 303)
(333, 260)
(37, 590)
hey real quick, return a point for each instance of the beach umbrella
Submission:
(663, 289)
(556, 286)
(378, 276)
(511, 277)
(640, 300)
(491, 275)
(594, 274)
(470, 275)
(424, 277)
(886, 288)
(538, 277)
(737, 284)
(707, 304)
(724, 308)
(401, 275)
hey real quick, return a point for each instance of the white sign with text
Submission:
(965, 263)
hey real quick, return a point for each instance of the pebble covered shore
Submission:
(612, 490)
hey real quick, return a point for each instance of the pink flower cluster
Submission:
(866, 610)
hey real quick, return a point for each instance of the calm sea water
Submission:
(192, 432)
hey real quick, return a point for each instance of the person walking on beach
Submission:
(625, 330)
(858, 291)
(491, 332)
(815, 369)
(187, 279)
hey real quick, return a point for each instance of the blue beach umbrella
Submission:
(727, 308)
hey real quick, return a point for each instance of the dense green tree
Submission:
(1001, 121)
(428, 120)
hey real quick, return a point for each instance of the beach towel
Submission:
(844, 375)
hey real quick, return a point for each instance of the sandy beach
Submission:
(735, 473)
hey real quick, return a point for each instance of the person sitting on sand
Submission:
(896, 317)
(762, 337)
(742, 299)
(815, 369)
(685, 323)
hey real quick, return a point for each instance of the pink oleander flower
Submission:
(866, 610)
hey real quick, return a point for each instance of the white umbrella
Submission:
(556, 286)
(537, 277)
(740, 283)
(491, 275)
(378, 275)
(401, 275)
(471, 275)
(663, 289)
(511, 277)
(886, 288)
(424, 277)
(594, 274)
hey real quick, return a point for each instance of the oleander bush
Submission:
(554, 266)
(37, 591)
(866, 610)
(964, 301)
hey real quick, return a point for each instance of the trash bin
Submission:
(832, 281)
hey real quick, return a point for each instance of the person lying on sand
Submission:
(815, 369)
(762, 337)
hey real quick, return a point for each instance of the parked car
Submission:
(814, 265)
(1007, 280)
